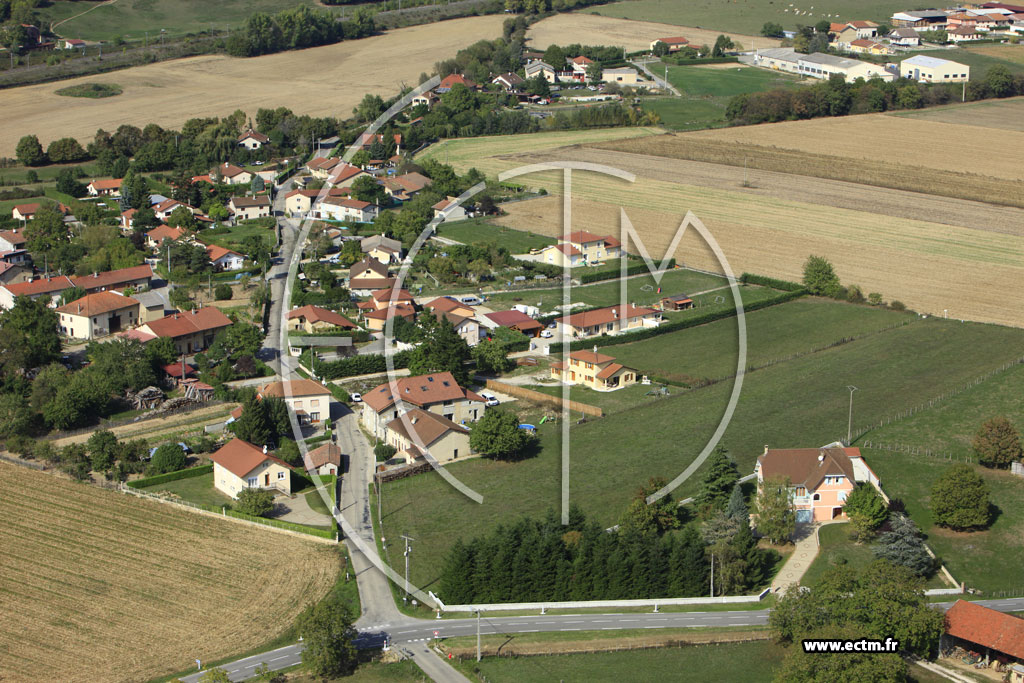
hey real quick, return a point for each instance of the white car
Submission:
(489, 400)
(547, 334)
(356, 398)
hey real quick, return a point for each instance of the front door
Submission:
(266, 479)
(114, 325)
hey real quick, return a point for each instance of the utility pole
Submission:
(712, 575)
(405, 598)
(209, 283)
(849, 422)
(963, 92)
(478, 635)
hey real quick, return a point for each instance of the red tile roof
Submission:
(516, 318)
(453, 79)
(190, 322)
(803, 467)
(583, 237)
(986, 627)
(591, 357)
(294, 388)
(315, 314)
(422, 390)
(162, 232)
(241, 457)
(174, 370)
(25, 209)
(602, 316)
(446, 304)
(389, 295)
(258, 137)
(424, 426)
(347, 203)
(370, 264)
(12, 236)
(344, 172)
(228, 170)
(112, 184)
(97, 304)
(44, 285)
(216, 252)
(401, 310)
(113, 279)
(609, 371)
(328, 454)
(674, 40)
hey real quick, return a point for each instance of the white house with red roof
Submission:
(437, 393)
(310, 319)
(24, 212)
(251, 140)
(249, 208)
(609, 320)
(451, 80)
(451, 212)
(156, 236)
(97, 315)
(46, 288)
(229, 174)
(192, 331)
(137, 277)
(820, 479)
(581, 248)
(674, 43)
(104, 188)
(224, 259)
(346, 209)
(308, 399)
(239, 465)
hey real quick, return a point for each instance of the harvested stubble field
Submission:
(1000, 114)
(320, 81)
(590, 29)
(917, 248)
(101, 586)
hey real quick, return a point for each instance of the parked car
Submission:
(547, 334)
(489, 400)
(356, 398)
(471, 300)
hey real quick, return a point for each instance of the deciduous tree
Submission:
(960, 499)
(866, 510)
(497, 435)
(820, 278)
(997, 443)
(327, 633)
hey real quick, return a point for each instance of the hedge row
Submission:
(683, 61)
(635, 269)
(360, 365)
(313, 440)
(784, 285)
(665, 328)
(171, 476)
(280, 524)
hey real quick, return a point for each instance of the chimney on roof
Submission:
(79, 308)
(766, 449)
(264, 449)
(821, 457)
(95, 274)
(595, 349)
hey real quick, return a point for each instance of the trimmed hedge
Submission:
(171, 476)
(317, 439)
(665, 328)
(360, 365)
(683, 61)
(784, 285)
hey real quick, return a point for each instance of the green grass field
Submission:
(798, 403)
(987, 560)
(19, 174)
(950, 426)
(748, 16)
(232, 236)
(608, 401)
(772, 333)
(195, 490)
(719, 662)
(680, 113)
(722, 80)
(478, 231)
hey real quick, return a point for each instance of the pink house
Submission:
(820, 478)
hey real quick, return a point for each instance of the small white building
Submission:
(346, 209)
(925, 69)
(250, 139)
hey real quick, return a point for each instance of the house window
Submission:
(281, 475)
(455, 453)
(315, 417)
(816, 496)
(253, 482)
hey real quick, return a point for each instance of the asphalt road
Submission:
(411, 635)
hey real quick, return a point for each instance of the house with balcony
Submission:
(239, 465)
(308, 399)
(581, 248)
(819, 479)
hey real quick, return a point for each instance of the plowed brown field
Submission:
(102, 586)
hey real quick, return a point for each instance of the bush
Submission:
(256, 502)
(897, 305)
(222, 292)
(960, 499)
(168, 458)
(820, 277)
(384, 451)
(997, 443)
(875, 299)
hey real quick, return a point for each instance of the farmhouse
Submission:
(624, 75)
(977, 628)
(312, 319)
(593, 370)
(229, 174)
(156, 236)
(250, 139)
(819, 478)
(965, 33)
(97, 315)
(419, 431)
(516, 320)
(309, 400)
(224, 259)
(24, 212)
(926, 69)
(580, 248)
(904, 37)
(384, 249)
(674, 43)
(437, 393)
(610, 320)
(104, 188)
(248, 208)
(239, 465)
(192, 331)
(325, 460)
(449, 210)
(346, 209)
(46, 288)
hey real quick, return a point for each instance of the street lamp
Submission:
(849, 422)
(408, 550)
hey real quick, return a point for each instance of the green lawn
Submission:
(709, 351)
(232, 237)
(608, 401)
(725, 81)
(195, 490)
(747, 16)
(48, 173)
(802, 402)
(950, 426)
(987, 560)
(639, 290)
(752, 661)
(681, 113)
(479, 231)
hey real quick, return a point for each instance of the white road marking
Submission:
(277, 658)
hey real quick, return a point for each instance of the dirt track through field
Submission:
(590, 29)
(102, 586)
(320, 81)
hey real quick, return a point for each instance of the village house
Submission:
(542, 68)
(427, 99)
(673, 43)
(229, 174)
(624, 75)
(383, 249)
(989, 632)
(321, 167)
(192, 331)
(70, 44)
(310, 319)
(24, 212)
(325, 459)
(904, 37)
(11, 240)
(509, 82)
(447, 304)
(369, 275)
(593, 370)
(46, 288)
(248, 208)
(868, 47)
(309, 400)
(451, 80)
(153, 304)
(385, 298)
(224, 259)
(166, 207)
(376, 319)
(962, 34)
(581, 248)
(420, 431)
(238, 465)
(402, 188)
(466, 327)
(128, 220)
(366, 140)
(136, 277)
(11, 273)
(450, 210)
(97, 315)
(346, 209)
(925, 69)
(298, 203)
(437, 393)
(156, 236)
(343, 175)
(516, 320)
(819, 478)
(104, 188)
(610, 320)
(251, 140)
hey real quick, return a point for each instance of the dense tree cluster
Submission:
(296, 28)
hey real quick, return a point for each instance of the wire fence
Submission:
(912, 449)
(910, 412)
